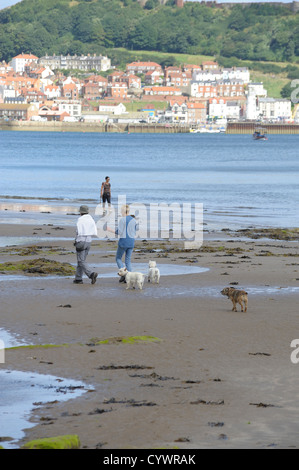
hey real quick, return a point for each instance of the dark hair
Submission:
(106, 177)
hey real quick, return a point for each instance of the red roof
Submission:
(143, 64)
(196, 105)
(25, 56)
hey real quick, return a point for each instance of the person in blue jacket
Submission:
(126, 232)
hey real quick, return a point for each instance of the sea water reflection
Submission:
(21, 392)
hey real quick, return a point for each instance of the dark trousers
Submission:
(106, 197)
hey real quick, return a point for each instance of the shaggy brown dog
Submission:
(237, 297)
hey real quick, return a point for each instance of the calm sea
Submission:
(239, 181)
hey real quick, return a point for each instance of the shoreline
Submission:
(31, 211)
(199, 382)
(153, 128)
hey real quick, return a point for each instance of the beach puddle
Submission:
(21, 392)
(110, 269)
(10, 340)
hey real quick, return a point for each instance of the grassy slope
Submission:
(272, 83)
(180, 58)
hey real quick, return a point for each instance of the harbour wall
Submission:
(54, 126)
(249, 127)
(232, 127)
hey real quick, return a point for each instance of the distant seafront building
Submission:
(260, 106)
(83, 62)
(274, 108)
(20, 61)
(254, 91)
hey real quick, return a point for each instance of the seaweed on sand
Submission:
(37, 266)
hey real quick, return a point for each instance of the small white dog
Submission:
(133, 279)
(153, 272)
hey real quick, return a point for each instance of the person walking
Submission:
(86, 229)
(127, 233)
(106, 192)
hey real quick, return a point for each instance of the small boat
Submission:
(260, 134)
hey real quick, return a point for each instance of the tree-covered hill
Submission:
(259, 32)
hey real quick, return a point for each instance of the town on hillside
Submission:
(47, 89)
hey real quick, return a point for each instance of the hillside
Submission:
(275, 76)
(257, 33)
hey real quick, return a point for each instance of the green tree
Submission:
(237, 19)
(258, 32)
(287, 90)
(151, 4)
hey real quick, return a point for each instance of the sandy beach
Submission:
(168, 367)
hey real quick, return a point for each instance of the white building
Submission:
(176, 112)
(7, 91)
(232, 110)
(46, 73)
(19, 62)
(207, 75)
(4, 67)
(52, 91)
(274, 109)
(83, 62)
(112, 108)
(217, 108)
(254, 92)
(236, 73)
(202, 89)
(257, 88)
(72, 107)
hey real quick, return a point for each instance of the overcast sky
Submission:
(8, 3)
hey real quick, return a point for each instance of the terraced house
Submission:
(17, 111)
(143, 67)
(82, 62)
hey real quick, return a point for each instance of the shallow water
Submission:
(10, 340)
(238, 181)
(155, 291)
(21, 391)
(13, 241)
(108, 270)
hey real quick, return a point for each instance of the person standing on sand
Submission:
(86, 229)
(127, 233)
(106, 192)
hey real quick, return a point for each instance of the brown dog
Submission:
(237, 297)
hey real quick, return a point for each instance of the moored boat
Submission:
(260, 134)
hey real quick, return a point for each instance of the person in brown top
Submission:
(106, 192)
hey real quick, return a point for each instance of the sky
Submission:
(244, 1)
(8, 3)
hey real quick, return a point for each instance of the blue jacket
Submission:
(126, 232)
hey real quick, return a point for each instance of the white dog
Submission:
(133, 279)
(153, 272)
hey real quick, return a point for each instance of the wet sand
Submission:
(200, 376)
